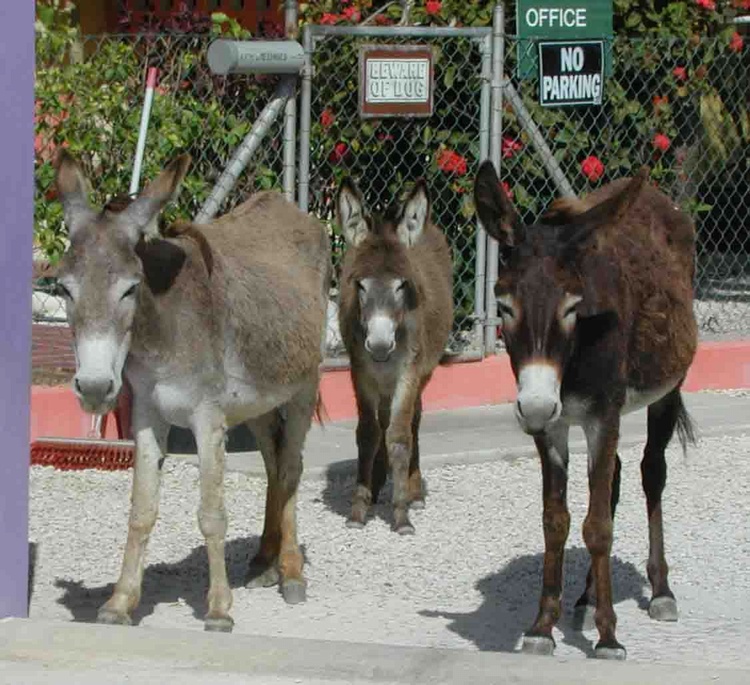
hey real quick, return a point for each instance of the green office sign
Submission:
(562, 20)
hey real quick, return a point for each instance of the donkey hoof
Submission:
(401, 523)
(612, 651)
(417, 504)
(538, 645)
(266, 576)
(663, 608)
(113, 618)
(355, 523)
(218, 624)
(294, 591)
(583, 617)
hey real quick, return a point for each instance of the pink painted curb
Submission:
(717, 365)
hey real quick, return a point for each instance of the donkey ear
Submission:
(608, 212)
(416, 214)
(72, 188)
(140, 218)
(350, 213)
(495, 210)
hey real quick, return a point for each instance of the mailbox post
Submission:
(284, 57)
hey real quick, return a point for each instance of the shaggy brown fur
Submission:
(598, 295)
(389, 393)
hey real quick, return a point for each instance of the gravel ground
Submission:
(469, 579)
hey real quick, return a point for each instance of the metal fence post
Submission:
(481, 236)
(496, 132)
(290, 110)
(303, 197)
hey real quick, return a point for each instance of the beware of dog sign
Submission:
(395, 81)
(571, 73)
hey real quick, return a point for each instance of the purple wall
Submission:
(16, 222)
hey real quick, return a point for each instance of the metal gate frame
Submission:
(489, 120)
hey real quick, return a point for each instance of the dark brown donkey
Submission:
(395, 315)
(597, 310)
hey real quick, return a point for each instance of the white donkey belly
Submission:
(576, 409)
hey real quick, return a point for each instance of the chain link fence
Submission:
(681, 107)
(678, 106)
(89, 98)
(385, 156)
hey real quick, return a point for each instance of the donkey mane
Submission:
(564, 210)
(180, 228)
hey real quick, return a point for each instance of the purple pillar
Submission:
(16, 223)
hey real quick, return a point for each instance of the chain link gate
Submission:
(681, 107)
(385, 156)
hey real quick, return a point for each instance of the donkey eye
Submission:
(505, 310)
(401, 286)
(360, 287)
(130, 291)
(570, 311)
(61, 290)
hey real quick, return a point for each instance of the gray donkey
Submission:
(211, 327)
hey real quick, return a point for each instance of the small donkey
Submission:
(597, 309)
(395, 316)
(211, 327)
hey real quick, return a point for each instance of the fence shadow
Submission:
(163, 583)
(510, 600)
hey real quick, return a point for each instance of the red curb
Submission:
(717, 365)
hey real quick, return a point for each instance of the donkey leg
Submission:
(553, 453)
(399, 445)
(150, 442)
(662, 419)
(380, 465)
(416, 492)
(210, 431)
(263, 569)
(601, 437)
(299, 413)
(369, 438)
(583, 613)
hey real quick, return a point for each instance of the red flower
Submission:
(509, 147)
(329, 18)
(339, 152)
(680, 73)
(382, 20)
(659, 101)
(433, 6)
(661, 142)
(706, 4)
(736, 43)
(327, 118)
(384, 137)
(592, 168)
(451, 162)
(508, 190)
(352, 14)
(742, 4)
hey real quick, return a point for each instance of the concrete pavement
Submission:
(42, 652)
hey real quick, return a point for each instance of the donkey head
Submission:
(553, 290)
(100, 275)
(386, 291)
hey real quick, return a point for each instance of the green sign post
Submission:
(563, 20)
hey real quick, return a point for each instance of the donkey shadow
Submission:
(511, 600)
(164, 583)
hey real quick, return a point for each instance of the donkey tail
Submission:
(686, 432)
